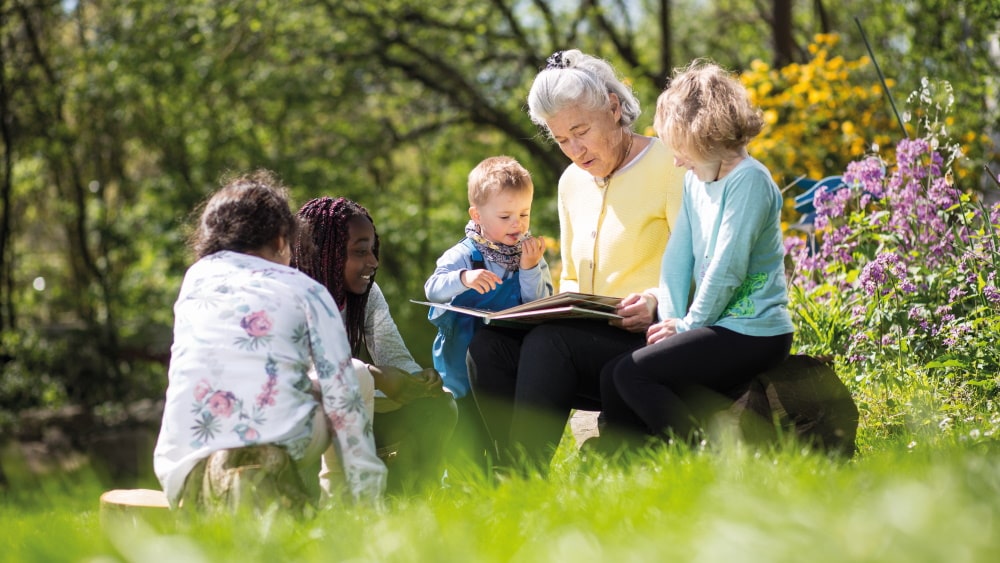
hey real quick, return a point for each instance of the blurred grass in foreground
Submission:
(937, 500)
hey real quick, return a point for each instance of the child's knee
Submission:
(366, 385)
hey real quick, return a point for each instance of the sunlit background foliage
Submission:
(119, 117)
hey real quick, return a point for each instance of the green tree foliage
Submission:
(119, 116)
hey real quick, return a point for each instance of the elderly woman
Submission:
(618, 200)
(248, 329)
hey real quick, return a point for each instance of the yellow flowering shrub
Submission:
(829, 112)
(820, 115)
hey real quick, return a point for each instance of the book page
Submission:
(582, 300)
(560, 306)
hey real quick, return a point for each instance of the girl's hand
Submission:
(431, 380)
(482, 281)
(661, 330)
(638, 311)
(403, 387)
(532, 250)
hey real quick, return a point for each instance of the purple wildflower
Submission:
(955, 292)
(991, 294)
(875, 275)
(867, 175)
(830, 204)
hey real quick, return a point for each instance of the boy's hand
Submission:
(532, 249)
(481, 280)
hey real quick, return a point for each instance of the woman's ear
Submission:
(616, 107)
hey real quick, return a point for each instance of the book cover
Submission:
(567, 305)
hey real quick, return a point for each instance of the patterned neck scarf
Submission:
(505, 254)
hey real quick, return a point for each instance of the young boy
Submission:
(496, 266)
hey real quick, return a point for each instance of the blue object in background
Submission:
(804, 201)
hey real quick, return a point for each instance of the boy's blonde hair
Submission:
(706, 111)
(494, 175)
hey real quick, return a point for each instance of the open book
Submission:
(559, 306)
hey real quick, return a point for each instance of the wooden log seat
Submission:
(804, 396)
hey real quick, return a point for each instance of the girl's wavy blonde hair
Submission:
(705, 112)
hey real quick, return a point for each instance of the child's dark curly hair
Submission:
(249, 212)
(327, 220)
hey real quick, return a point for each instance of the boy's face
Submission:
(360, 264)
(505, 217)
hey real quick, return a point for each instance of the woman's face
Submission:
(359, 267)
(592, 139)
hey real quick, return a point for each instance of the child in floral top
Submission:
(247, 330)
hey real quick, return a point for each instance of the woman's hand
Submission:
(638, 311)
(403, 387)
(661, 330)
(532, 249)
(480, 280)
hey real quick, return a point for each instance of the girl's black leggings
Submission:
(663, 388)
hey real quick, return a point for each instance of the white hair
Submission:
(575, 78)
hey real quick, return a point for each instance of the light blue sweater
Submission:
(727, 242)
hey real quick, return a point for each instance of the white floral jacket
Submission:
(246, 333)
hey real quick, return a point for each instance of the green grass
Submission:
(908, 498)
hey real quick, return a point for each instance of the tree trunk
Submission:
(822, 17)
(666, 55)
(781, 28)
(803, 396)
(8, 320)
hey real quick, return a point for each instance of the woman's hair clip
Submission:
(556, 60)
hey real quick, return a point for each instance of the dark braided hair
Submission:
(249, 212)
(328, 220)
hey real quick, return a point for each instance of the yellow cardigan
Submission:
(613, 239)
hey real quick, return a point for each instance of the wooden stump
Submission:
(803, 396)
(130, 507)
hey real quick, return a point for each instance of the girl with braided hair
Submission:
(413, 415)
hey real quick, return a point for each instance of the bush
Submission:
(900, 283)
(56, 367)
